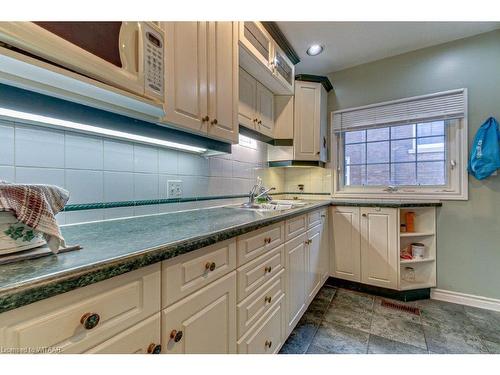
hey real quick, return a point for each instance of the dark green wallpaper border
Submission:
(101, 205)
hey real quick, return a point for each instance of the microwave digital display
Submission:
(153, 40)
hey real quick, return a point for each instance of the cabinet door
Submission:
(283, 68)
(314, 261)
(295, 294)
(265, 110)
(307, 120)
(223, 80)
(203, 322)
(186, 101)
(142, 338)
(255, 39)
(325, 247)
(379, 249)
(346, 243)
(247, 115)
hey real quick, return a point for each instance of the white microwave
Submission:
(126, 55)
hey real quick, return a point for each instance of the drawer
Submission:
(142, 338)
(268, 336)
(316, 217)
(256, 272)
(258, 303)
(253, 244)
(55, 322)
(295, 226)
(190, 272)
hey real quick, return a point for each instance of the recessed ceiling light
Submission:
(314, 50)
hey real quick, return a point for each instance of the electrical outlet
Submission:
(174, 188)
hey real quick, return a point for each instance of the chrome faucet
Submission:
(257, 191)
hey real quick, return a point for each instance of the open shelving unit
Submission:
(425, 233)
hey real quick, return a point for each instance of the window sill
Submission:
(438, 196)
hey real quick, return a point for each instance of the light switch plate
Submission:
(174, 188)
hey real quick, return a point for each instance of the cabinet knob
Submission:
(154, 349)
(210, 266)
(176, 335)
(317, 153)
(268, 343)
(364, 215)
(205, 119)
(267, 299)
(268, 269)
(213, 122)
(259, 122)
(323, 215)
(255, 120)
(267, 240)
(90, 320)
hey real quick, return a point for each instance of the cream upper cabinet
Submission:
(203, 322)
(265, 110)
(379, 247)
(261, 56)
(247, 115)
(346, 259)
(186, 75)
(310, 121)
(223, 80)
(256, 105)
(201, 76)
(257, 40)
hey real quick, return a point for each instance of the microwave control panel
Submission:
(153, 62)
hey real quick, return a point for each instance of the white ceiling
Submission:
(349, 44)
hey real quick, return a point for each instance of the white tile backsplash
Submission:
(7, 173)
(84, 186)
(6, 143)
(118, 186)
(145, 159)
(83, 152)
(26, 175)
(118, 156)
(39, 147)
(97, 169)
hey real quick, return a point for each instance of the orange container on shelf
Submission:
(410, 221)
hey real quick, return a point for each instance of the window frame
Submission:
(457, 180)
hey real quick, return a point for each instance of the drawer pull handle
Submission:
(205, 119)
(268, 343)
(267, 240)
(323, 215)
(268, 269)
(154, 349)
(176, 335)
(90, 320)
(259, 122)
(213, 122)
(267, 299)
(308, 242)
(210, 266)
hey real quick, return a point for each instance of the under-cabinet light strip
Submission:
(38, 119)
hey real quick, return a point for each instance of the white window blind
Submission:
(442, 105)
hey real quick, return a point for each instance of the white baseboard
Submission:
(466, 299)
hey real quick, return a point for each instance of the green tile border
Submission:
(148, 202)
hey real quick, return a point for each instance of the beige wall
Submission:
(468, 231)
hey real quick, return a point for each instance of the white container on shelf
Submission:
(9, 245)
(418, 250)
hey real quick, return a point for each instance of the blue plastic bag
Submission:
(485, 154)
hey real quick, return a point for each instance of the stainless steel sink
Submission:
(273, 206)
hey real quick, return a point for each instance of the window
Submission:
(401, 155)
(406, 159)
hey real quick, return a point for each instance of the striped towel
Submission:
(36, 207)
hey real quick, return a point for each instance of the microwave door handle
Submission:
(129, 46)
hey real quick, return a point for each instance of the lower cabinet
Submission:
(143, 338)
(203, 322)
(241, 295)
(366, 245)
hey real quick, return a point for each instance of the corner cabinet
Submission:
(310, 121)
(367, 244)
(201, 76)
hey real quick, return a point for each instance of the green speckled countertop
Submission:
(113, 247)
